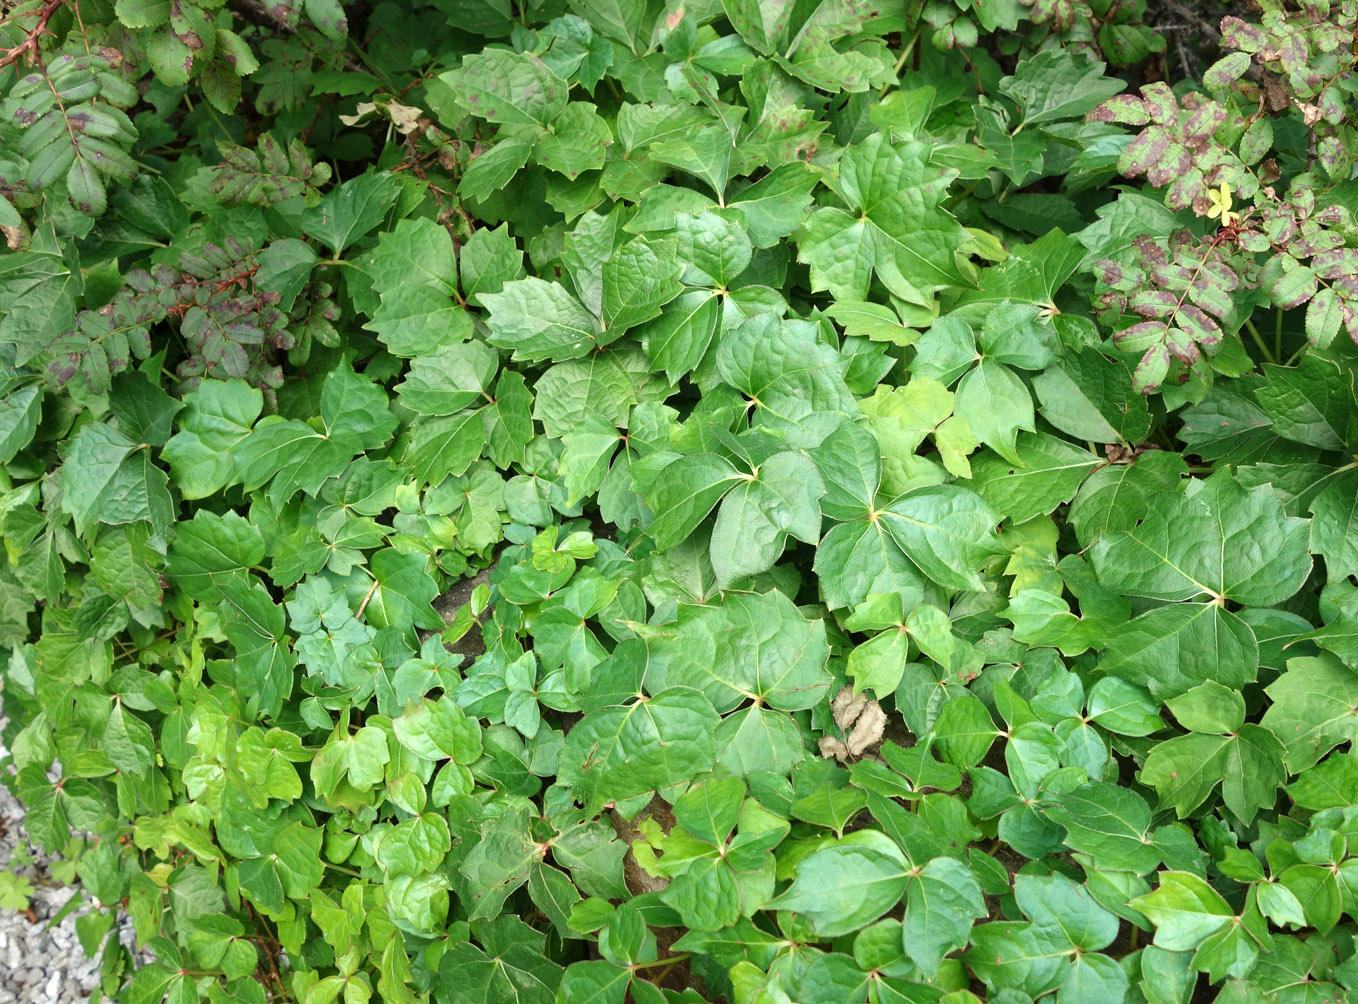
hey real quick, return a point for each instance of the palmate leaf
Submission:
(751, 646)
(676, 495)
(1221, 542)
(510, 967)
(111, 479)
(620, 752)
(897, 192)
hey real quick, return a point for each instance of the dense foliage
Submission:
(686, 500)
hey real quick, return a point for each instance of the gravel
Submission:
(38, 966)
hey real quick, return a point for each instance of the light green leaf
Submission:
(946, 531)
(1184, 909)
(620, 752)
(758, 515)
(847, 885)
(684, 493)
(1222, 541)
(996, 405)
(508, 87)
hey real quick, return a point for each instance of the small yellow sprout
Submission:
(1221, 205)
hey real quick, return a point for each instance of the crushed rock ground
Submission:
(38, 965)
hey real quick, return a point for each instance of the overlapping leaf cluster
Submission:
(675, 519)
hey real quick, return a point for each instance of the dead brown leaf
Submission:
(863, 720)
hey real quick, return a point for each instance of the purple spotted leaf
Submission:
(1226, 71)
(1153, 303)
(1145, 151)
(1140, 336)
(1150, 372)
(1160, 102)
(1127, 109)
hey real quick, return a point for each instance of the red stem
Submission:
(30, 43)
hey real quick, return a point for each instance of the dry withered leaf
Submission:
(863, 720)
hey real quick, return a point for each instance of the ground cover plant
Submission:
(686, 500)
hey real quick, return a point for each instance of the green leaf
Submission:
(217, 415)
(1173, 648)
(751, 645)
(208, 548)
(942, 902)
(352, 405)
(597, 982)
(1058, 84)
(684, 493)
(128, 742)
(639, 278)
(996, 405)
(1116, 497)
(415, 319)
(20, 410)
(1309, 403)
(677, 340)
(1048, 472)
(488, 260)
(713, 246)
(850, 465)
(1209, 707)
(604, 384)
(964, 731)
(453, 378)
(110, 479)
(414, 252)
(1184, 909)
(292, 456)
(793, 380)
(847, 885)
(513, 88)
(1090, 397)
(762, 23)
(1249, 766)
(860, 558)
(1109, 823)
(328, 17)
(879, 663)
(509, 965)
(446, 445)
(1334, 530)
(1064, 912)
(576, 141)
(1312, 710)
(620, 752)
(895, 191)
(352, 210)
(711, 810)
(1223, 541)
(946, 531)
(758, 515)
(539, 320)
(438, 730)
